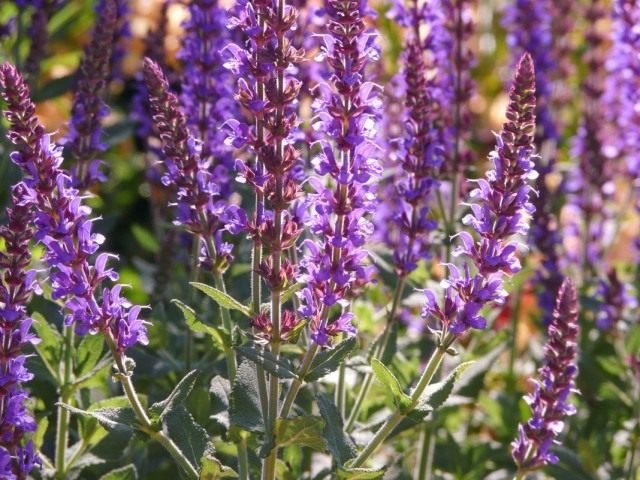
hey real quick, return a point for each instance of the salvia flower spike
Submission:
(64, 226)
(17, 283)
(345, 110)
(549, 401)
(501, 210)
(89, 108)
(200, 206)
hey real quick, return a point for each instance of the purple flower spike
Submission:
(617, 300)
(207, 87)
(200, 207)
(549, 401)
(64, 226)
(17, 284)
(345, 111)
(89, 109)
(501, 210)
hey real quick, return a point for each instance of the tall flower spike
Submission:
(200, 208)
(63, 225)
(207, 87)
(501, 211)
(590, 187)
(89, 109)
(622, 94)
(17, 283)
(549, 401)
(345, 111)
(268, 90)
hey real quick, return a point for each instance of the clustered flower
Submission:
(617, 299)
(207, 87)
(421, 156)
(549, 400)
(622, 94)
(200, 206)
(63, 225)
(500, 211)
(345, 111)
(17, 284)
(267, 89)
(89, 108)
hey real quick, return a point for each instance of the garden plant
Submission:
(320, 239)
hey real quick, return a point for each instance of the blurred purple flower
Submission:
(549, 402)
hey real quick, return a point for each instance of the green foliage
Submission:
(329, 360)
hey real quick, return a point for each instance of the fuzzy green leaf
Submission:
(50, 346)
(128, 472)
(244, 403)
(329, 360)
(400, 399)
(345, 473)
(221, 338)
(339, 443)
(158, 411)
(278, 366)
(212, 469)
(88, 353)
(190, 437)
(301, 431)
(223, 299)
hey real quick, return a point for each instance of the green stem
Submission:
(341, 393)
(243, 460)
(296, 384)
(144, 422)
(427, 448)
(520, 475)
(226, 323)
(195, 274)
(392, 422)
(377, 353)
(64, 415)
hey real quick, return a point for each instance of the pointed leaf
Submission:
(221, 338)
(212, 469)
(220, 390)
(223, 299)
(88, 353)
(278, 366)
(190, 437)
(50, 346)
(176, 398)
(301, 431)
(125, 473)
(244, 403)
(329, 360)
(437, 394)
(345, 473)
(339, 443)
(400, 399)
(113, 419)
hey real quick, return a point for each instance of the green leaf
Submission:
(345, 473)
(221, 338)
(190, 437)
(96, 376)
(54, 88)
(329, 360)
(50, 346)
(301, 431)
(113, 419)
(145, 238)
(124, 473)
(158, 411)
(400, 399)
(41, 430)
(212, 469)
(278, 366)
(244, 402)
(339, 443)
(88, 353)
(435, 395)
(223, 299)
(288, 293)
(220, 390)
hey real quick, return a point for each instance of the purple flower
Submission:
(64, 225)
(17, 284)
(200, 207)
(556, 381)
(617, 299)
(622, 93)
(501, 210)
(345, 111)
(89, 109)
(207, 87)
